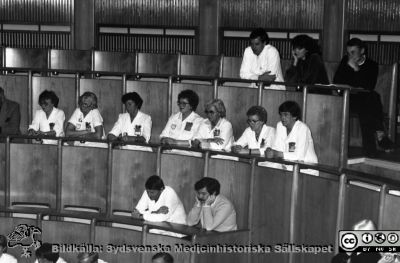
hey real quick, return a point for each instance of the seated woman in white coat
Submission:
(293, 140)
(182, 127)
(215, 132)
(258, 136)
(49, 120)
(134, 125)
(86, 121)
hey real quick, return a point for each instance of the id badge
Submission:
(78, 126)
(217, 132)
(292, 146)
(138, 130)
(188, 126)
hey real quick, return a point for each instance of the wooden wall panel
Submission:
(16, 89)
(7, 225)
(231, 67)
(147, 43)
(383, 86)
(271, 211)
(237, 101)
(272, 99)
(130, 171)
(316, 221)
(391, 208)
(79, 60)
(372, 15)
(117, 237)
(3, 173)
(33, 174)
(35, 39)
(273, 14)
(239, 237)
(64, 89)
(207, 66)
(324, 118)
(170, 13)
(181, 173)
(109, 93)
(46, 12)
(235, 180)
(84, 177)
(114, 61)
(157, 63)
(26, 58)
(155, 103)
(60, 232)
(155, 239)
(205, 93)
(361, 203)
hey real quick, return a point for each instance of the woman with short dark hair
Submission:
(86, 121)
(308, 66)
(134, 125)
(183, 126)
(49, 120)
(258, 136)
(293, 140)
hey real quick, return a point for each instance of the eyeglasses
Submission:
(182, 103)
(87, 105)
(209, 112)
(252, 121)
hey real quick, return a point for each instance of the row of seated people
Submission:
(159, 203)
(45, 254)
(290, 140)
(261, 61)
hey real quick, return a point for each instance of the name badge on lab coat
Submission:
(138, 130)
(188, 126)
(217, 132)
(292, 146)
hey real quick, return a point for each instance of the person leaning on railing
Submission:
(184, 125)
(215, 132)
(159, 203)
(261, 60)
(357, 70)
(49, 120)
(307, 66)
(86, 121)
(258, 136)
(212, 210)
(134, 125)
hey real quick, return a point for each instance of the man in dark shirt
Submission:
(9, 115)
(357, 70)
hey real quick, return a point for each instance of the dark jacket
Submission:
(10, 118)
